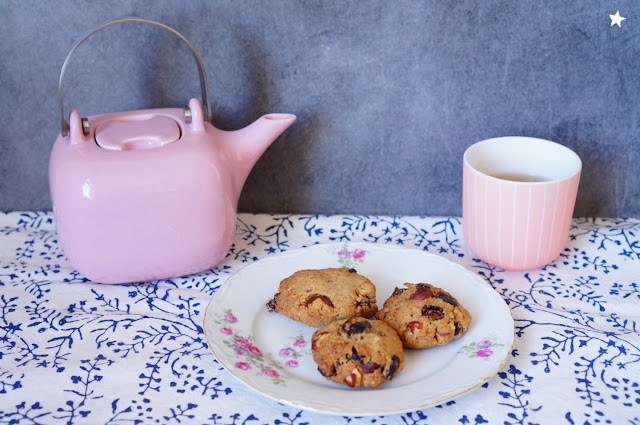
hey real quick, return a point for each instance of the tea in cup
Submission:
(518, 200)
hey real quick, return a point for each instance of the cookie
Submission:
(424, 315)
(357, 352)
(318, 297)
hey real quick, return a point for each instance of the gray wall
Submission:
(388, 94)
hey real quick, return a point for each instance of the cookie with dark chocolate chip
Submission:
(357, 352)
(424, 315)
(317, 297)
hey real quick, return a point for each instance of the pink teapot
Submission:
(151, 194)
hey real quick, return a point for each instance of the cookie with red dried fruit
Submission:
(318, 297)
(424, 315)
(357, 352)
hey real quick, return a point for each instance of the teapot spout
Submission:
(245, 146)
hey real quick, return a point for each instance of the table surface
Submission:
(76, 352)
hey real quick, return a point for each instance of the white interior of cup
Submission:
(536, 160)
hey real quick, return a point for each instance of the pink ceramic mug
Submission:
(518, 199)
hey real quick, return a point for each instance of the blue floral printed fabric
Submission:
(76, 352)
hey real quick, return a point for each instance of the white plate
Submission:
(271, 353)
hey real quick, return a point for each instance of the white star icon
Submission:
(616, 19)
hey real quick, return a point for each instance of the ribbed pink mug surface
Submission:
(518, 199)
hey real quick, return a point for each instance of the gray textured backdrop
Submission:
(388, 94)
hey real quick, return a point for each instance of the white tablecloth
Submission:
(77, 352)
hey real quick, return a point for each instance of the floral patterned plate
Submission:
(271, 353)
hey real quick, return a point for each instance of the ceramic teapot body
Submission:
(151, 194)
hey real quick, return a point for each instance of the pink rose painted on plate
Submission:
(291, 363)
(243, 365)
(255, 350)
(358, 253)
(483, 344)
(287, 352)
(226, 331)
(301, 343)
(242, 342)
(484, 353)
(344, 254)
(230, 318)
(271, 373)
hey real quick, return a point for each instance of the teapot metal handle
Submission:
(204, 83)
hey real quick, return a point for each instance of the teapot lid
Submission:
(133, 134)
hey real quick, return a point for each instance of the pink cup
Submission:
(518, 198)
